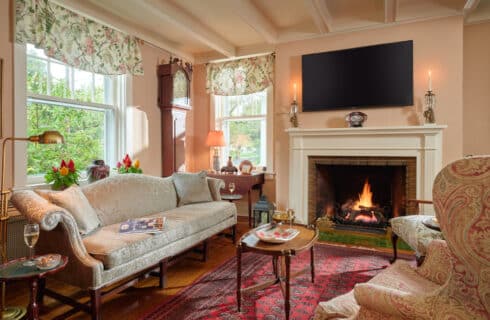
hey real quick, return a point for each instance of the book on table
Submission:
(143, 225)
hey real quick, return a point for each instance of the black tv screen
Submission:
(380, 75)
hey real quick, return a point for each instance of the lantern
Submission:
(263, 211)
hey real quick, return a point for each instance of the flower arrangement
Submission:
(63, 176)
(128, 166)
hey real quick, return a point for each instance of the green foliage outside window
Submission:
(82, 128)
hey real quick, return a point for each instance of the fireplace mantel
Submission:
(422, 142)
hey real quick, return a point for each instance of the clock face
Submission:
(180, 89)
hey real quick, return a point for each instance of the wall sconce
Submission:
(293, 112)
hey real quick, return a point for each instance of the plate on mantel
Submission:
(276, 235)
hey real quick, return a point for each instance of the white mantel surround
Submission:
(422, 142)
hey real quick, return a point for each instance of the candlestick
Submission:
(430, 80)
(294, 86)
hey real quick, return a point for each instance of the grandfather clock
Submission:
(174, 81)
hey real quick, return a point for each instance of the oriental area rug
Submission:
(213, 296)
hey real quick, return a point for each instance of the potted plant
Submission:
(128, 166)
(63, 176)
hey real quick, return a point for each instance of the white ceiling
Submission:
(203, 30)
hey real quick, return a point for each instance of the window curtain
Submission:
(239, 77)
(76, 40)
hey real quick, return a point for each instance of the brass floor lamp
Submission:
(48, 137)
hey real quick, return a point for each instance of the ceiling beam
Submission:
(469, 6)
(191, 25)
(390, 11)
(256, 19)
(321, 15)
(101, 15)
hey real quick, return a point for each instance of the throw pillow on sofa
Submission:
(73, 200)
(192, 187)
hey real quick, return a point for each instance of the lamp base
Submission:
(13, 313)
(216, 164)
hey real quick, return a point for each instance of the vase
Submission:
(98, 170)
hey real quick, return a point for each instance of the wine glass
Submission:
(31, 234)
(231, 187)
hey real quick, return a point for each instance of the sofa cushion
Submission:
(128, 196)
(113, 248)
(73, 200)
(411, 229)
(192, 187)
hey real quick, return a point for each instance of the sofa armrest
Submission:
(61, 234)
(215, 185)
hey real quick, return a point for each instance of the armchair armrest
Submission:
(381, 299)
(61, 236)
(416, 204)
(437, 263)
(215, 185)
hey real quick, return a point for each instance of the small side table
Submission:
(15, 270)
(231, 197)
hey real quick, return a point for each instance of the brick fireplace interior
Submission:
(360, 193)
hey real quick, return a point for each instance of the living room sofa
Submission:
(100, 256)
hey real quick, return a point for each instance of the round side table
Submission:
(231, 197)
(15, 270)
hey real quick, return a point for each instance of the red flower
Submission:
(55, 169)
(71, 165)
(118, 165)
(63, 163)
(127, 161)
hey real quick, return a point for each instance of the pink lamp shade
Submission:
(215, 139)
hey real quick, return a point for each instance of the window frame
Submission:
(215, 124)
(115, 115)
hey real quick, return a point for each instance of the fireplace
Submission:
(360, 193)
(421, 143)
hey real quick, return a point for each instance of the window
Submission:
(82, 106)
(244, 122)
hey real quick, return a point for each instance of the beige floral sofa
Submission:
(83, 224)
(454, 280)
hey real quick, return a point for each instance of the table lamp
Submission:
(48, 137)
(215, 139)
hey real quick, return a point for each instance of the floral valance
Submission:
(239, 77)
(76, 40)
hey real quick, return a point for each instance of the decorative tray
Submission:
(276, 234)
(48, 261)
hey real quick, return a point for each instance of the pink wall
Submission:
(476, 87)
(438, 46)
(201, 106)
(145, 134)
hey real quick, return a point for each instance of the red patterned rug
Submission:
(213, 296)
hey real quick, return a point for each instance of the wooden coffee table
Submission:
(281, 260)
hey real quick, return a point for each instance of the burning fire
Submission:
(365, 198)
(368, 218)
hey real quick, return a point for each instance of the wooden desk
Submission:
(244, 183)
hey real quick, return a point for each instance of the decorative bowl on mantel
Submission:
(356, 119)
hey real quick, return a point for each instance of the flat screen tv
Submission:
(379, 75)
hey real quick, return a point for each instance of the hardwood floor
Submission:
(135, 301)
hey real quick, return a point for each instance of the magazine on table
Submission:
(143, 225)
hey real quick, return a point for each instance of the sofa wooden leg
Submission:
(95, 302)
(394, 240)
(419, 260)
(163, 274)
(233, 234)
(205, 250)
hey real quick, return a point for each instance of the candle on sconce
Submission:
(430, 80)
(294, 88)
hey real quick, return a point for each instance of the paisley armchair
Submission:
(454, 280)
